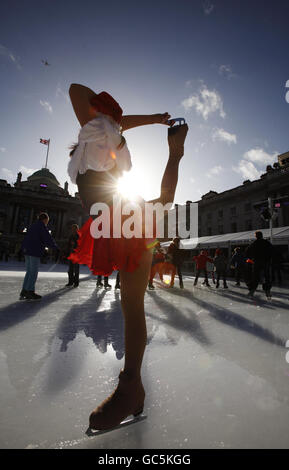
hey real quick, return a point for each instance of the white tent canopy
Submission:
(280, 237)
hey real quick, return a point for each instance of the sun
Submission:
(129, 186)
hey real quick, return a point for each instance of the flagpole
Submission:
(47, 153)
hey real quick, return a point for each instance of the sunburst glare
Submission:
(130, 186)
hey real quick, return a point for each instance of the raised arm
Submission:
(176, 139)
(128, 122)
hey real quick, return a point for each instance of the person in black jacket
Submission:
(176, 256)
(260, 251)
(220, 263)
(73, 268)
(37, 238)
(238, 264)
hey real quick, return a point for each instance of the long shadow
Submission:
(234, 320)
(105, 327)
(281, 294)
(236, 296)
(273, 290)
(22, 310)
(244, 299)
(241, 298)
(272, 305)
(176, 319)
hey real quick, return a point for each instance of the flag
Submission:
(44, 141)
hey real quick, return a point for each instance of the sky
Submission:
(220, 64)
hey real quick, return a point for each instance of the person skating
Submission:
(220, 263)
(176, 255)
(238, 264)
(157, 265)
(100, 284)
(73, 268)
(260, 252)
(210, 270)
(33, 246)
(132, 256)
(201, 266)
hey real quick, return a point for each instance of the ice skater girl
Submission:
(96, 164)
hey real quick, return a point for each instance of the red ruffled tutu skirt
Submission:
(105, 255)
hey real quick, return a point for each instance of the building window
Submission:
(220, 213)
(248, 224)
(2, 221)
(209, 216)
(209, 230)
(220, 229)
(233, 211)
(247, 206)
(23, 219)
(234, 227)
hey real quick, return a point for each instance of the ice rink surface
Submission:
(215, 369)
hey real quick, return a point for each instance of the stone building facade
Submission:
(239, 209)
(20, 204)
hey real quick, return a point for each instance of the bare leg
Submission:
(128, 397)
(176, 139)
(133, 287)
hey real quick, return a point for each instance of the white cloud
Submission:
(3, 149)
(5, 52)
(256, 157)
(6, 174)
(46, 105)
(226, 71)
(247, 170)
(215, 171)
(61, 93)
(208, 7)
(205, 102)
(200, 146)
(26, 171)
(224, 136)
(260, 157)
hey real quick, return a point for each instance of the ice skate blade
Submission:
(127, 422)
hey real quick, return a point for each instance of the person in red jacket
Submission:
(201, 265)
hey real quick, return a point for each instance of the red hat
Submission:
(104, 103)
(82, 98)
